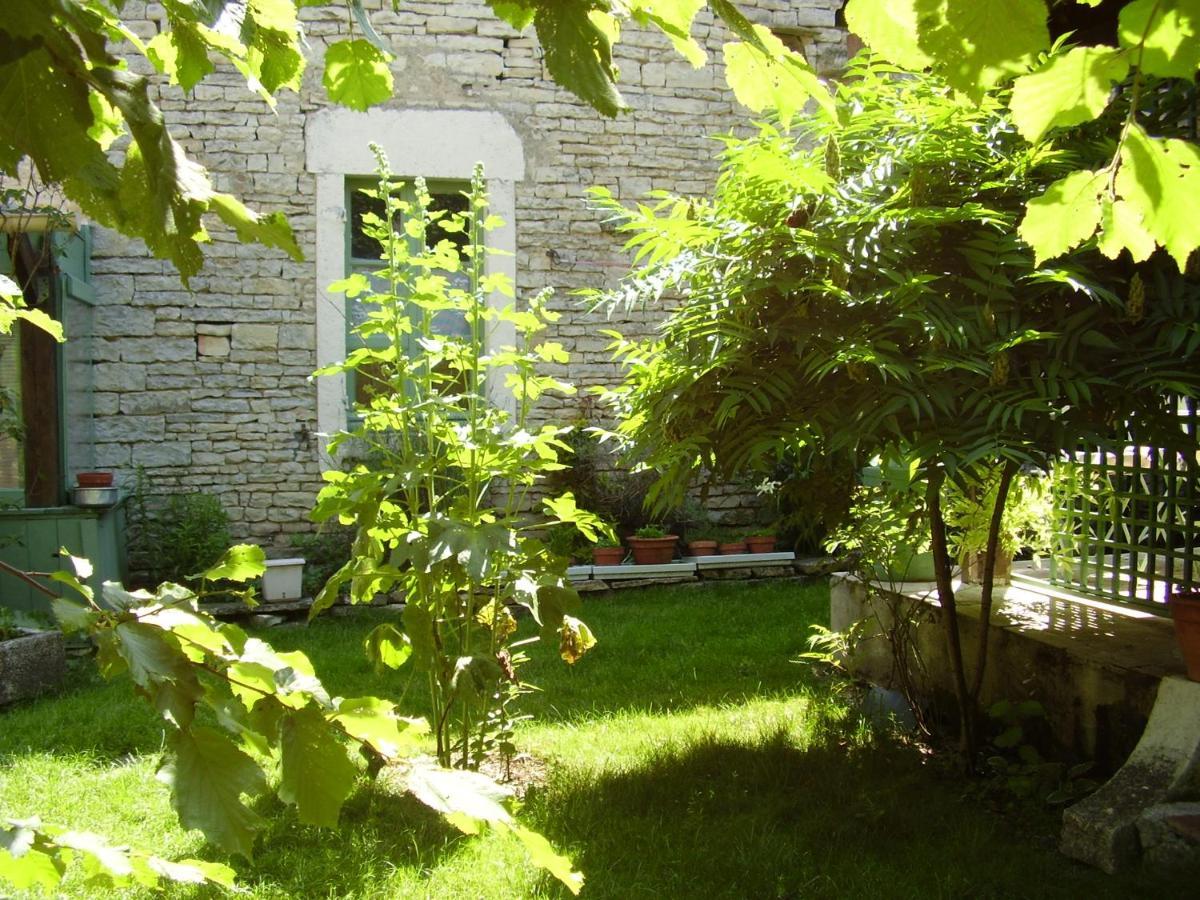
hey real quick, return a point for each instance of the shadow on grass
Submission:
(379, 831)
(720, 818)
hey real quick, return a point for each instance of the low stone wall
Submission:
(1095, 670)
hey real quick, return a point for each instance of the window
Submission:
(363, 255)
(443, 145)
(46, 423)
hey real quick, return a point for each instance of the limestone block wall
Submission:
(207, 386)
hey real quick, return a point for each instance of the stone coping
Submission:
(687, 565)
(1104, 634)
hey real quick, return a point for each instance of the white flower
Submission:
(767, 486)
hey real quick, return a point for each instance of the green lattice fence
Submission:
(1126, 521)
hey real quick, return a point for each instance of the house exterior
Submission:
(209, 388)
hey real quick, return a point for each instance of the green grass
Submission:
(687, 757)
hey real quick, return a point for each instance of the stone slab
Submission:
(738, 560)
(1103, 829)
(579, 573)
(621, 584)
(31, 665)
(648, 572)
(1169, 834)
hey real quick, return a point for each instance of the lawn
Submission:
(686, 756)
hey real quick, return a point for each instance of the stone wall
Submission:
(207, 386)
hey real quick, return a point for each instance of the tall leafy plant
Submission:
(442, 513)
(860, 286)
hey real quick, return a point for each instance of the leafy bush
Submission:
(324, 552)
(176, 536)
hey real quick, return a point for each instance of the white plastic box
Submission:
(283, 579)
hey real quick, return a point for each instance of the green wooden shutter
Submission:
(77, 301)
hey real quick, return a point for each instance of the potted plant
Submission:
(730, 542)
(607, 552)
(702, 540)
(761, 540)
(651, 545)
(1185, 613)
(1025, 523)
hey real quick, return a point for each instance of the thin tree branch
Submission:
(989, 571)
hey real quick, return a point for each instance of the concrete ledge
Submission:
(651, 572)
(1094, 667)
(1111, 680)
(741, 560)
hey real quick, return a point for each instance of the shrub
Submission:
(173, 537)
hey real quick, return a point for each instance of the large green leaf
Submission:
(181, 54)
(149, 654)
(1121, 228)
(207, 775)
(543, 855)
(1064, 216)
(890, 29)
(388, 646)
(357, 74)
(1070, 88)
(375, 722)
(578, 52)
(240, 563)
(317, 775)
(973, 44)
(30, 870)
(772, 77)
(518, 14)
(462, 796)
(674, 18)
(977, 43)
(1168, 32)
(1160, 178)
(553, 602)
(270, 230)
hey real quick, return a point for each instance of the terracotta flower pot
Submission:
(653, 551)
(972, 568)
(761, 543)
(94, 479)
(732, 547)
(607, 556)
(702, 548)
(1185, 613)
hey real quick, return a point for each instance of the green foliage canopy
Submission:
(1134, 197)
(861, 285)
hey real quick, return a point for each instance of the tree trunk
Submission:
(945, 590)
(989, 573)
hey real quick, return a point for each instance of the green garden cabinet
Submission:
(30, 540)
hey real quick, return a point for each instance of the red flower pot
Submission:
(653, 551)
(94, 479)
(1185, 613)
(607, 556)
(761, 543)
(732, 547)
(702, 548)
